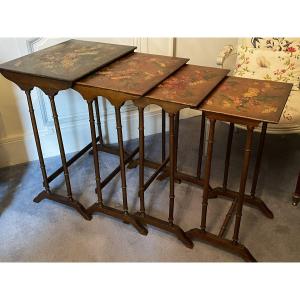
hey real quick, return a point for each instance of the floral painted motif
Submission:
(189, 85)
(135, 74)
(277, 44)
(283, 66)
(248, 98)
(69, 60)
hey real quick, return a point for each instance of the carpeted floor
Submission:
(51, 232)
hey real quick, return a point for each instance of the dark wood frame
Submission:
(164, 170)
(51, 87)
(145, 218)
(296, 195)
(117, 99)
(233, 246)
(46, 193)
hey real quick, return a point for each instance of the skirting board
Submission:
(20, 149)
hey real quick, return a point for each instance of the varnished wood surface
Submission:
(67, 61)
(251, 99)
(189, 85)
(135, 74)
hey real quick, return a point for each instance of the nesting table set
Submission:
(119, 74)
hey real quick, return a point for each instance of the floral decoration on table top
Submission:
(189, 85)
(135, 74)
(249, 98)
(68, 60)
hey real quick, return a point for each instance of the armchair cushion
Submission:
(261, 63)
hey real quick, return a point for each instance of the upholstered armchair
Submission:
(275, 59)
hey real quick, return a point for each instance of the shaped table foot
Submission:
(251, 201)
(296, 199)
(224, 244)
(63, 200)
(118, 214)
(164, 225)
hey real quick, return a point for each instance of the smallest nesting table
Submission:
(247, 102)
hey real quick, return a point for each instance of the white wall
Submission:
(203, 52)
(16, 138)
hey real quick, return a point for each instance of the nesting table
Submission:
(52, 70)
(185, 88)
(126, 79)
(119, 74)
(249, 103)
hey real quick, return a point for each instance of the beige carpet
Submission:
(51, 232)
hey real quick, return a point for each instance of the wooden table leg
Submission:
(37, 142)
(141, 160)
(69, 201)
(163, 135)
(244, 175)
(95, 155)
(98, 121)
(207, 173)
(165, 174)
(201, 146)
(217, 240)
(148, 219)
(123, 215)
(251, 199)
(133, 221)
(228, 154)
(101, 146)
(296, 195)
(135, 162)
(176, 140)
(261, 204)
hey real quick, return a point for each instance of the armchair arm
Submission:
(225, 52)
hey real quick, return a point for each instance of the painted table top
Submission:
(135, 74)
(259, 100)
(67, 61)
(189, 85)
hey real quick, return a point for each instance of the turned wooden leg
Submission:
(232, 246)
(141, 160)
(239, 208)
(296, 195)
(37, 142)
(201, 146)
(163, 135)
(172, 168)
(122, 158)
(228, 153)
(95, 154)
(207, 173)
(98, 121)
(61, 148)
(258, 159)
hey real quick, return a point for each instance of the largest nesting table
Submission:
(52, 70)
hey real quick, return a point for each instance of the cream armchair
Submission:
(271, 48)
